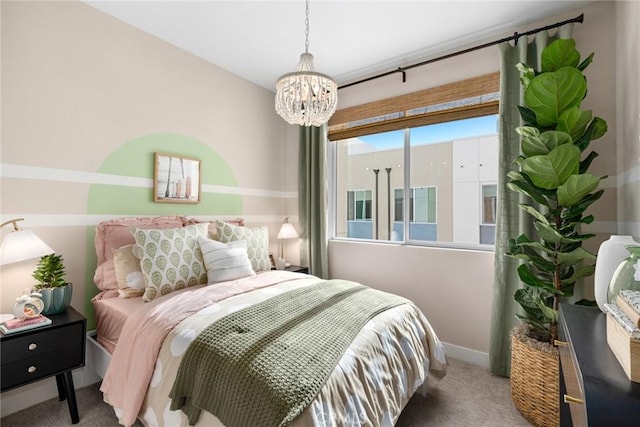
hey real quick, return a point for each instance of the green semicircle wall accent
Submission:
(136, 158)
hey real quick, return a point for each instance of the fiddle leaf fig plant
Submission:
(50, 272)
(552, 172)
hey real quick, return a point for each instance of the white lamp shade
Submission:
(21, 245)
(287, 231)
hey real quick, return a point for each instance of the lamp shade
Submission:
(21, 245)
(287, 231)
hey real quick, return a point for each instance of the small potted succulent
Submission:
(56, 292)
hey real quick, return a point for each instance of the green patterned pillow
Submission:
(257, 242)
(170, 258)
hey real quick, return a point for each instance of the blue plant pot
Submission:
(56, 300)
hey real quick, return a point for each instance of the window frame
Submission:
(340, 128)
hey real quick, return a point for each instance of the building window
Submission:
(489, 199)
(359, 205)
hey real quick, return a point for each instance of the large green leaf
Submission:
(549, 94)
(596, 129)
(586, 162)
(534, 212)
(574, 121)
(526, 74)
(575, 256)
(575, 188)
(527, 276)
(552, 170)
(584, 271)
(543, 143)
(528, 190)
(560, 53)
(551, 235)
(528, 117)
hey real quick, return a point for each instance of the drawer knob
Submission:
(571, 399)
(559, 343)
(31, 369)
(33, 346)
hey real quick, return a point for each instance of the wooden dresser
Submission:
(594, 390)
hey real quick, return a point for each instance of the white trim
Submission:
(629, 228)
(72, 220)
(614, 227)
(68, 175)
(629, 177)
(468, 355)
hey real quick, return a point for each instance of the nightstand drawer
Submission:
(41, 366)
(39, 343)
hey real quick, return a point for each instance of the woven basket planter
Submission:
(535, 385)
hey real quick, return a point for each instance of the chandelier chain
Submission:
(306, 28)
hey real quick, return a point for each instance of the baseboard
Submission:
(23, 397)
(468, 355)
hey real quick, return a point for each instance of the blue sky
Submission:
(436, 133)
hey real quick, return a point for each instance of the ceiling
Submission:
(350, 39)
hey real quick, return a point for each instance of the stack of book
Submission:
(16, 325)
(623, 331)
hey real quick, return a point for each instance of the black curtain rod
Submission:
(515, 37)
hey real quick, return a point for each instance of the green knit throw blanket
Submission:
(263, 365)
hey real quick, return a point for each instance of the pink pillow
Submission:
(114, 234)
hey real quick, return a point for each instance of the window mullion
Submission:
(407, 184)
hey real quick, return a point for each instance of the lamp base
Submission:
(281, 264)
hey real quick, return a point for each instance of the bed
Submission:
(369, 383)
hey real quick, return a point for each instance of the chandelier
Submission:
(306, 97)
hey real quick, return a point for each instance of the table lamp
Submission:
(286, 232)
(20, 245)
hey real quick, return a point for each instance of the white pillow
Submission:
(225, 261)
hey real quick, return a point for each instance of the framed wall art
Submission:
(176, 179)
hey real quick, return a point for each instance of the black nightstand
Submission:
(297, 269)
(43, 352)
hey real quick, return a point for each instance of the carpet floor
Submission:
(468, 395)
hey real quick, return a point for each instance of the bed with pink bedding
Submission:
(389, 359)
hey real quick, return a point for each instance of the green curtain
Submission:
(510, 220)
(312, 199)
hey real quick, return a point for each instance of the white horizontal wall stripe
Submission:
(629, 228)
(66, 175)
(629, 177)
(57, 220)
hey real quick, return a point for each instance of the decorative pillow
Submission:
(213, 230)
(128, 274)
(257, 242)
(114, 234)
(225, 261)
(170, 259)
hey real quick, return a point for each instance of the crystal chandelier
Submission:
(306, 97)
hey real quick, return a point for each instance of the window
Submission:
(428, 160)
(450, 185)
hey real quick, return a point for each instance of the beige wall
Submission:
(78, 84)
(454, 287)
